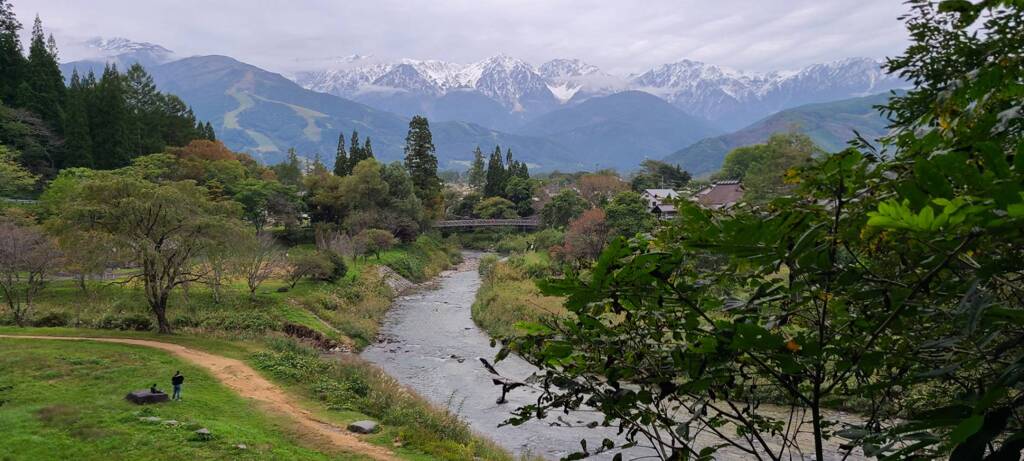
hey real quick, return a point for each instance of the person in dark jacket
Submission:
(176, 382)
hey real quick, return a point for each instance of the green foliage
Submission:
(763, 168)
(14, 179)
(656, 174)
(508, 295)
(627, 214)
(477, 174)
(421, 161)
(563, 208)
(876, 279)
(495, 208)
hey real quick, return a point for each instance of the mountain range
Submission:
(563, 114)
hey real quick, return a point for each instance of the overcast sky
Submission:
(621, 36)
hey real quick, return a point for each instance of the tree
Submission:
(599, 188)
(78, 139)
(355, 151)
(763, 167)
(12, 60)
(520, 192)
(26, 257)
(477, 173)
(316, 266)
(495, 208)
(45, 82)
(367, 149)
(341, 166)
(584, 238)
(163, 228)
(375, 241)
(877, 278)
(144, 119)
(14, 179)
(290, 171)
(263, 201)
(108, 118)
(563, 208)
(628, 214)
(420, 160)
(496, 175)
(261, 257)
(656, 174)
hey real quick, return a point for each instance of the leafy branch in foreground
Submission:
(889, 283)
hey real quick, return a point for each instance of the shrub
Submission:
(514, 243)
(128, 322)
(486, 266)
(53, 319)
(548, 238)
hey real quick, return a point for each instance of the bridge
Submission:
(531, 222)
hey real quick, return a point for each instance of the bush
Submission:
(486, 266)
(53, 319)
(514, 243)
(338, 269)
(547, 238)
(127, 322)
(534, 264)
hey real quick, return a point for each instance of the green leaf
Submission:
(965, 429)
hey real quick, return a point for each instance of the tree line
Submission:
(99, 122)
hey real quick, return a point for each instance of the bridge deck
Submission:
(463, 223)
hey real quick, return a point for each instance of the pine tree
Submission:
(495, 185)
(108, 121)
(44, 79)
(317, 168)
(341, 158)
(355, 151)
(12, 61)
(420, 160)
(211, 135)
(367, 149)
(77, 139)
(290, 171)
(144, 119)
(477, 174)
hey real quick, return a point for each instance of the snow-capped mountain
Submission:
(95, 53)
(574, 80)
(734, 98)
(728, 97)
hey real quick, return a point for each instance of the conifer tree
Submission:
(341, 158)
(495, 185)
(144, 120)
(108, 121)
(44, 79)
(210, 133)
(355, 151)
(290, 171)
(367, 149)
(477, 173)
(12, 61)
(420, 160)
(77, 139)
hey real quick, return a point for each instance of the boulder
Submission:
(363, 427)
(144, 397)
(204, 434)
(150, 419)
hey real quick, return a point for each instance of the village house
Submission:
(720, 195)
(659, 202)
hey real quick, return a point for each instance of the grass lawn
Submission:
(66, 401)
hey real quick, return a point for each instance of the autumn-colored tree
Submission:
(584, 239)
(203, 149)
(599, 188)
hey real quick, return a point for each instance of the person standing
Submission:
(176, 382)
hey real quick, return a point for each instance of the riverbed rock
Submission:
(150, 419)
(203, 434)
(171, 422)
(363, 427)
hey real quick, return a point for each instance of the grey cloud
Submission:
(618, 35)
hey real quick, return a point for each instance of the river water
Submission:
(430, 344)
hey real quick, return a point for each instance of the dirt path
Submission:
(241, 378)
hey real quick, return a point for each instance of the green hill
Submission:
(831, 125)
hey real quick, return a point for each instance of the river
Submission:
(429, 343)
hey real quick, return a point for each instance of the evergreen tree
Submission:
(210, 134)
(341, 158)
(420, 159)
(78, 140)
(44, 78)
(477, 173)
(317, 168)
(355, 151)
(495, 185)
(12, 61)
(289, 172)
(144, 119)
(108, 119)
(367, 149)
